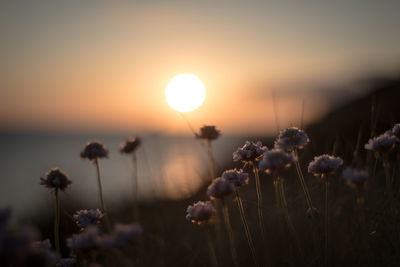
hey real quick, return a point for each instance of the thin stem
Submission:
(230, 233)
(326, 220)
(57, 221)
(259, 199)
(211, 158)
(103, 207)
(135, 187)
(285, 208)
(389, 189)
(303, 183)
(246, 227)
(213, 258)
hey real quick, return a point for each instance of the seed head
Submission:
(94, 150)
(55, 178)
(208, 132)
(130, 145)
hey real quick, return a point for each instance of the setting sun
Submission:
(185, 92)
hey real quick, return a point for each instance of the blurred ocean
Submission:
(168, 167)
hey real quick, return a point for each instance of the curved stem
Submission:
(303, 183)
(57, 221)
(230, 233)
(135, 187)
(259, 199)
(246, 227)
(213, 258)
(103, 207)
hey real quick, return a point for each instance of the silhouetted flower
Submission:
(275, 160)
(249, 152)
(324, 164)
(396, 130)
(123, 235)
(382, 143)
(237, 178)
(200, 212)
(312, 212)
(355, 177)
(45, 244)
(130, 145)
(220, 188)
(208, 132)
(94, 150)
(86, 241)
(55, 178)
(291, 138)
(85, 218)
(66, 262)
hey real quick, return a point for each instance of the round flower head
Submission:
(220, 188)
(86, 241)
(290, 139)
(249, 152)
(275, 160)
(200, 212)
(324, 164)
(66, 262)
(123, 235)
(94, 150)
(130, 145)
(396, 130)
(208, 132)
(355, 177)
(85, 218)
(314, 212)
(55, 178)
(382, 143)
(237, 178)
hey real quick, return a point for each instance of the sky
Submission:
(103, 66)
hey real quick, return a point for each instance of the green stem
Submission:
(213, 258)
(212, 160)
(57, 221)
(246, 227)
(230, 233)
(103, 207)
(259, 199)
(135, 187)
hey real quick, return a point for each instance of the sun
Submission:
(185, 92)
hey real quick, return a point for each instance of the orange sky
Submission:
(103, 66)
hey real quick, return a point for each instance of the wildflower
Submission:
(237, 178)
(396, 130)
(208, 132)
(312, 212)
(94, 150)
(382, 143)
(250, 152)
(85, 218)
(123, 235)
(57, 179)
(291, 138)
(220, 188)
(355, 177)
(275, 160)
(45, 244)
(86, 241)
(130, 145)
(66, 262)
(200, 212)
(324, 164)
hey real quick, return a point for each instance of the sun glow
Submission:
(185, 92)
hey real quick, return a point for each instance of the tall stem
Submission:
(135, 187)
(326, 220)
(57, 221)
(230, 233)
(389, 185)
(285, 208)
(303, 183)
(259, 199)
(213, 258)
(103, 207)
(211, 158)
(246, 227)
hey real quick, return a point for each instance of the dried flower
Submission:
(123, 235)
(55, 178)
(85, 218)
(355, 177)
(250, 152)
(396, 130)
(86, 241)
(94, 150)
(200, 212)
(208, 132)
(237, 178)
(130, 145)
(220, 188)
(324, 164)
(275, 160)
(382, 143)
(291, 138)
(66, 262)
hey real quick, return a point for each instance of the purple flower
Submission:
(275, 160)
(94, 150)
(85, 218)
(130, 145)
(45, 244)
(55, 178)
(86, 241)
(324, 164)
(291, 138)
(123, 235)
(312, 212)
(200, 212)
(396, 130)
(382, 143)
(208, 132)
(237, 178)
(220, 188)
(250, 152)
(355, 177)
(66, 262)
